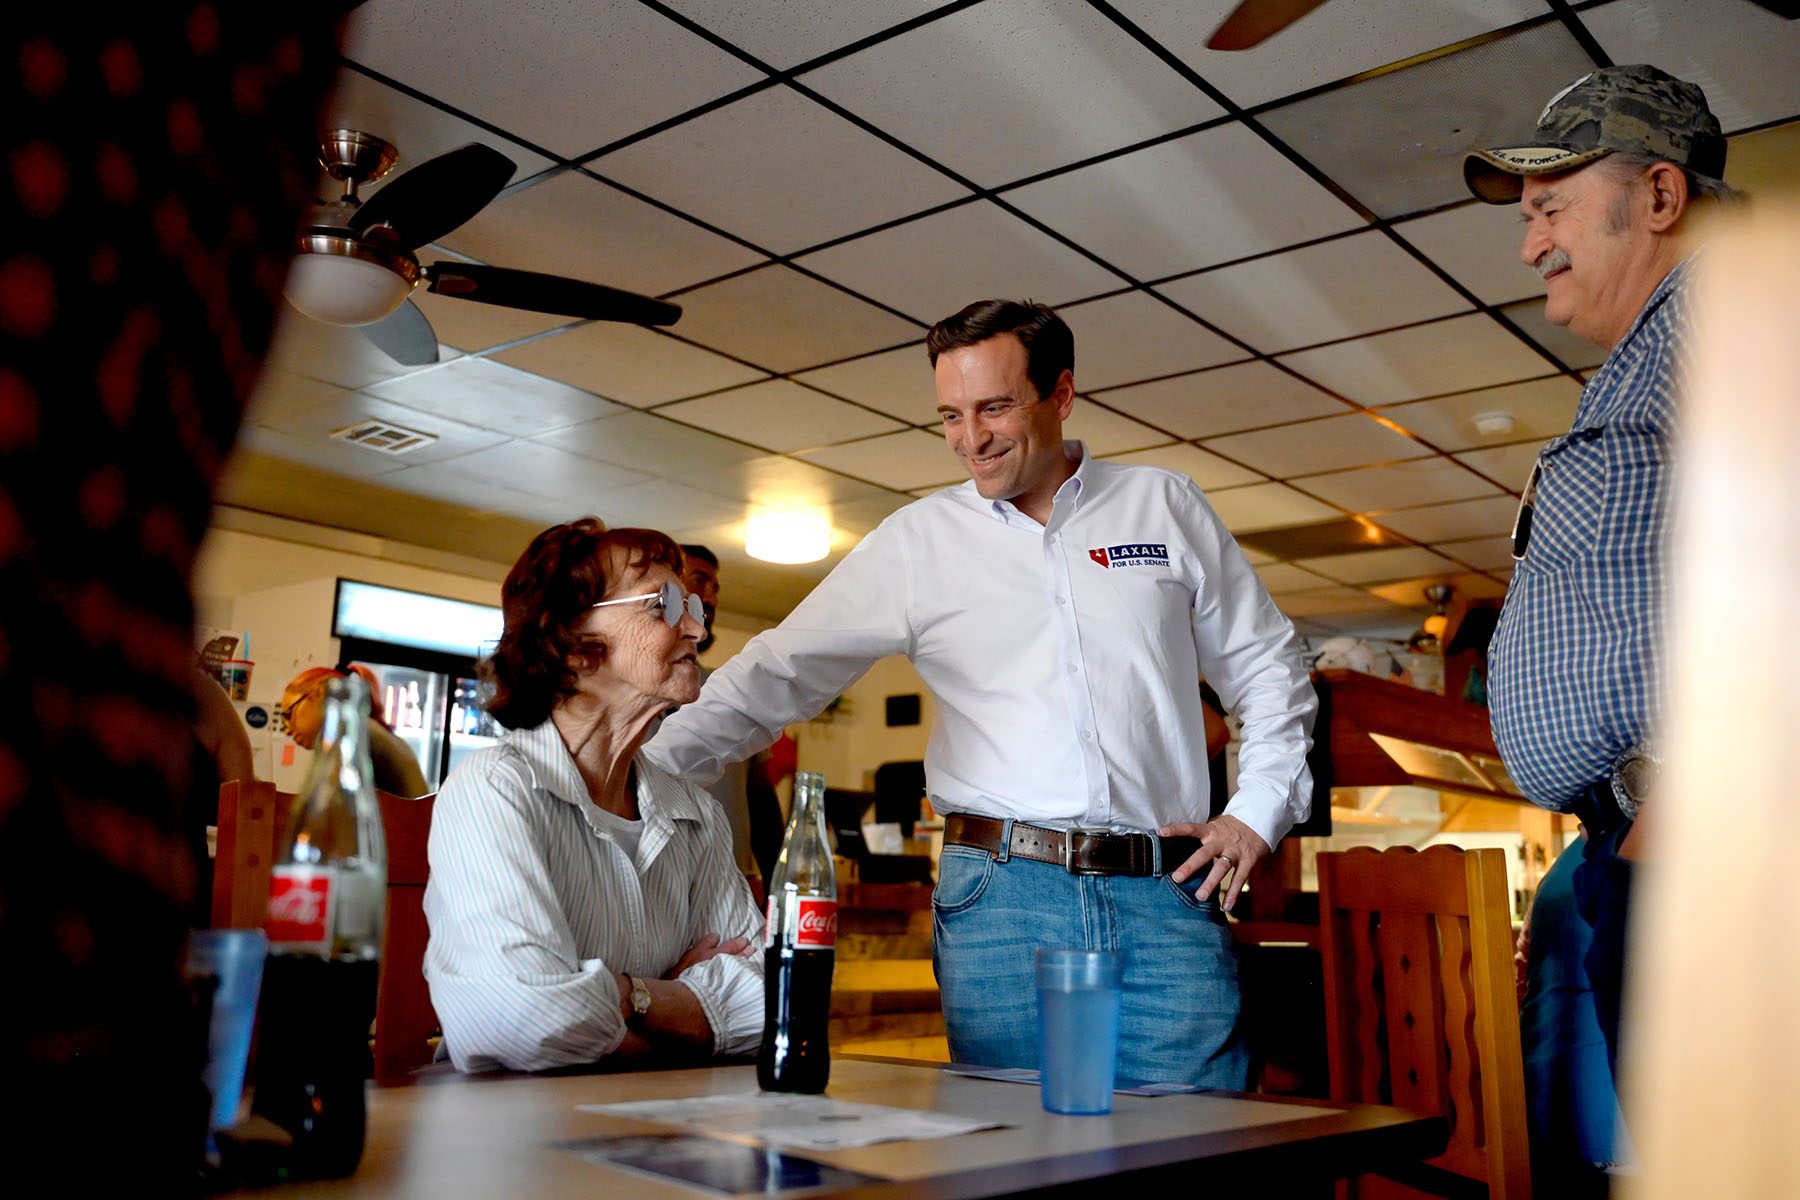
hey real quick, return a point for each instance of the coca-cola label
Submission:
(300, 900)
(816, 927)
(813, 927)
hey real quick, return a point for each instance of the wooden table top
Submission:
(448, 1136)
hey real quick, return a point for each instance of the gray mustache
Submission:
(1552, 262)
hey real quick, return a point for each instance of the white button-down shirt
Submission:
(534, 905)
(1065, 658)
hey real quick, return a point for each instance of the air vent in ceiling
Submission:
(383, 438)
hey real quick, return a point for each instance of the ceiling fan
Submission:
(357, 262)
(1255, 21)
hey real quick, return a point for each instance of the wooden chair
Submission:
(1420, 1008)
(250, 818)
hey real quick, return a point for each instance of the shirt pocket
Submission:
(1570, 502)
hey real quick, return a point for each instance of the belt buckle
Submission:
(1069, 836)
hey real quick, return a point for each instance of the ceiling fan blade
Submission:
(404, 336)
(1255, 21)
(547, 294)
(436, 196)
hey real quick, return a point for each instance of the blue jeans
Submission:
(1181, 1002)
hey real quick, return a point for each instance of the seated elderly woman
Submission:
(584, 904)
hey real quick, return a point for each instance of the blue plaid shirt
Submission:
(1576, 661)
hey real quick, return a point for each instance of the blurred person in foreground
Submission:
(157, 173)
(1062, 610)
(1612, 191)
(303, 714)
(583, 903)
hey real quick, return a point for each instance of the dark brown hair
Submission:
(1049, 344)
(546, 595)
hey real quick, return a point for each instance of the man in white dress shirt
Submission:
(1063, 612)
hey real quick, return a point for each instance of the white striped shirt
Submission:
(533, 908)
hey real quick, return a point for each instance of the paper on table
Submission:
(802, 1122)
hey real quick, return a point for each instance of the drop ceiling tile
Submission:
(1267, 506)
(931, 267)
(1134, 336)
(325, 454)
(279, 391)
(858, 518)
(797, 31)
(777, 481)
(1286, 577)
(779, 415)
(577, 75)
(649, 442)
(663, 505)
(897, 382)
(1321, 293)
(1484, 554)
(779, 170)
(1373, 566)
(1479, 245)
(1542, 408)
(331, 353)
(1327, 602)
(1396, 141)
(1351, 440)
(1403, 485)
(1390, 624)
(1446, 356)
(1244, 396)
(541, 470)
(489, 395)
(628, 363)
(1508, 465)
(315, 422)
(575, 225)
(1186, 204)
(785, 321)
(1208, 471)
(1411, 592)
(1108, 432)
(1335, 42)
(1742, 56)
(1570, 348)
(478, 497)
(1256, 558)
(474, 327)
(419, 131)
(1012, 87)
(897, 460)
(1487, 517)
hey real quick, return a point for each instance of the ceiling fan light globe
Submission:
(341, 282)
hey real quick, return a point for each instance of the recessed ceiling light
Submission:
(799, 536)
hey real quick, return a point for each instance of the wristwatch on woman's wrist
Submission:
(640, 997)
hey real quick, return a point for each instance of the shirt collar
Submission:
(1676, 278)
(1068, 495)
(551, 768)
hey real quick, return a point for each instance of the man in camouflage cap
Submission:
(1610, 190)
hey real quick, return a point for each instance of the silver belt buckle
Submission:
(1069, 836)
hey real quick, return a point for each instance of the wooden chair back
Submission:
(251, 815)
(1419, 1001)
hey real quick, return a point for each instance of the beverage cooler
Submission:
(422, 650)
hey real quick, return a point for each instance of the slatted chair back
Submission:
(251, 816)
(1420, 1007)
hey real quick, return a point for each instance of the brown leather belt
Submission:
(1078, 851)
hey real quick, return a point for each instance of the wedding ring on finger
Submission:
(1225, 862)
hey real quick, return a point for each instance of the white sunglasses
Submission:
(673, 601)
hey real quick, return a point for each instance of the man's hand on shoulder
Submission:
(1228, 847)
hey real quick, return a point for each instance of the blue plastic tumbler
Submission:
(231, 961)
(1078, 1028)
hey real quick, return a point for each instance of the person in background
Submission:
(157, 173)
(303, 714)
(1612, 189)
(583, 903)
(733, 789)
(1063, 611)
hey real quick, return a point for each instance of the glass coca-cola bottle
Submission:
(799, 950)
(327, 902)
